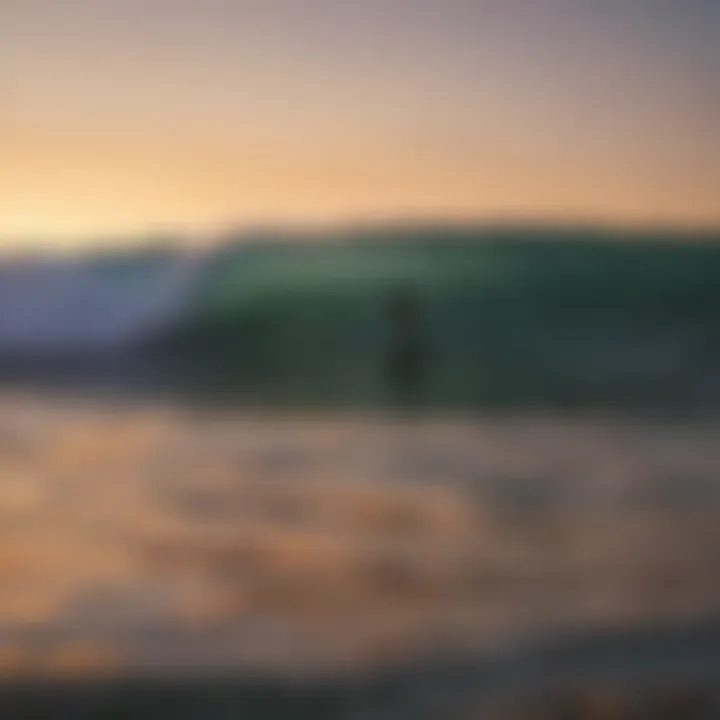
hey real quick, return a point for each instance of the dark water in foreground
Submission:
(636, 676)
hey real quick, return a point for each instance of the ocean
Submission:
(220, 498)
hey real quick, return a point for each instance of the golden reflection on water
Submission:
(159, 538)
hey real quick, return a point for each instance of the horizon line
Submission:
(279, 230)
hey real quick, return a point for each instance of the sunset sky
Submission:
(124, 116)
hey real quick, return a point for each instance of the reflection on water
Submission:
(151, 540)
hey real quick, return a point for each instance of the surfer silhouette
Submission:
(406, 358)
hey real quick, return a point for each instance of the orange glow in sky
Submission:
(153, 114)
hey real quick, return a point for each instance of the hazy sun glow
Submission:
(169, 114)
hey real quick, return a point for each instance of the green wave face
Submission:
(523, 317)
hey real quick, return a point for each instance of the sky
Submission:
(144, 116)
